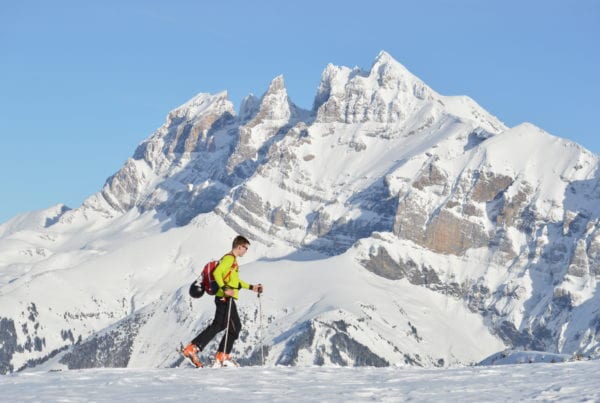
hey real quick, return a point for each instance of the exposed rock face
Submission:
(489, 186)
(444, 233)
(382, 264)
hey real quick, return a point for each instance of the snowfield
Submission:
(573, 381)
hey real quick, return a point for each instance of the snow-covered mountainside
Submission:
(390, 225)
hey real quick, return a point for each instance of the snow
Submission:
(573, 381)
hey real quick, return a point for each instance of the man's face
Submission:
(242, 249)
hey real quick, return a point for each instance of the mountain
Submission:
(390, 225)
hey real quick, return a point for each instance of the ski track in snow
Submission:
(574, 381)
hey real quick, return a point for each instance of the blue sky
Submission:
(83, 83)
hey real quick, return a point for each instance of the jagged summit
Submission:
(276, 85)
(392, 74)
(203, 103)
(384, 57)
(387, 93)
(275, 103)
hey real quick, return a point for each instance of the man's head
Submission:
(240, 245)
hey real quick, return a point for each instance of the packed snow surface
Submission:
(573, 381)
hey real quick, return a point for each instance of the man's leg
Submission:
(235, 326)
(219, 323)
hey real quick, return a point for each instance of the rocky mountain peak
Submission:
(261, 121)
(390, 74)
(276, 85)
(333, 81)
(275, 103)
(203, 104)
(388, 93)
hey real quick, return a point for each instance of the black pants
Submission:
(219, 323)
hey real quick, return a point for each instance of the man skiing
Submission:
(226, 316)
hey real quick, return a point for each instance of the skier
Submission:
(226, 315)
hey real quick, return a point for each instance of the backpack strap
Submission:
(226, 276)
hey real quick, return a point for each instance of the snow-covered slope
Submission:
(532, 382)
(390, 225)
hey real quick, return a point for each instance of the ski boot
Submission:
(224, 360)
(191, 352)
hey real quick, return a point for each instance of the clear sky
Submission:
(82, 83)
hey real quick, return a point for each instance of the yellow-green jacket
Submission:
(226, 274)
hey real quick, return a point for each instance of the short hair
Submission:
(240, 240)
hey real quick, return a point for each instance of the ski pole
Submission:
(227, 328)
(262, 353)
